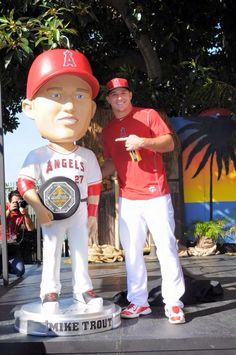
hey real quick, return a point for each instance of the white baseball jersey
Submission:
(44, 163)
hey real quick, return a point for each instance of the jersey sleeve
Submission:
(30, 169)
(157, 124)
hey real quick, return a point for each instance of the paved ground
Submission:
(210, 327)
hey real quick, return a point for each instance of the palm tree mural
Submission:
(216, 132)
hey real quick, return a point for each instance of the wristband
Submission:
(94, 189)
(92, 210)
(24, 185)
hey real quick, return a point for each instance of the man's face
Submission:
(120, 101)
(15, 202)
(62, 108)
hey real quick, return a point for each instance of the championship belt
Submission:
(61, 196)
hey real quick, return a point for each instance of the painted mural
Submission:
(209, 165)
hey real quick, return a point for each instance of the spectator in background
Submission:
(17, 217)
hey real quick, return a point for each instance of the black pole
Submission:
(3, 200)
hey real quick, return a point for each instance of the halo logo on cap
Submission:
(68, 59)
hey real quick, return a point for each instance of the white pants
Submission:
(157, 215)
(76, 229)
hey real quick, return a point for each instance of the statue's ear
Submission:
(27, 108)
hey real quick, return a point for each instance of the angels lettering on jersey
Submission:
(64, 163)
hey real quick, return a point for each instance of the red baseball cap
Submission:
(117, 83)
(54, 62)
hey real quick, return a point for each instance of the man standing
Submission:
(133, 145)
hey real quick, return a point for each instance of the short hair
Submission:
(13, 193)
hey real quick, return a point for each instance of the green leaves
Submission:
(209, 229)
(26, 33)
(53, 33)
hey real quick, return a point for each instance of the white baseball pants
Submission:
(157, 215)
(76, 229)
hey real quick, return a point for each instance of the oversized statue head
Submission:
(59, 96)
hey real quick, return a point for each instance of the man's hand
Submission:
(160, 144)
(12, 206)
(132, 142)
(24, 211)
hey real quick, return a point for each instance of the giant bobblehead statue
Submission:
(60, 92)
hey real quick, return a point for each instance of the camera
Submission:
(22, 203)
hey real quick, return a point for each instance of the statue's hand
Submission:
(92, 229)
(44, 216)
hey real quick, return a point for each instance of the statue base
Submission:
(70, 319)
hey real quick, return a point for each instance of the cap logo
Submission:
(116, 82)
(68, 59)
